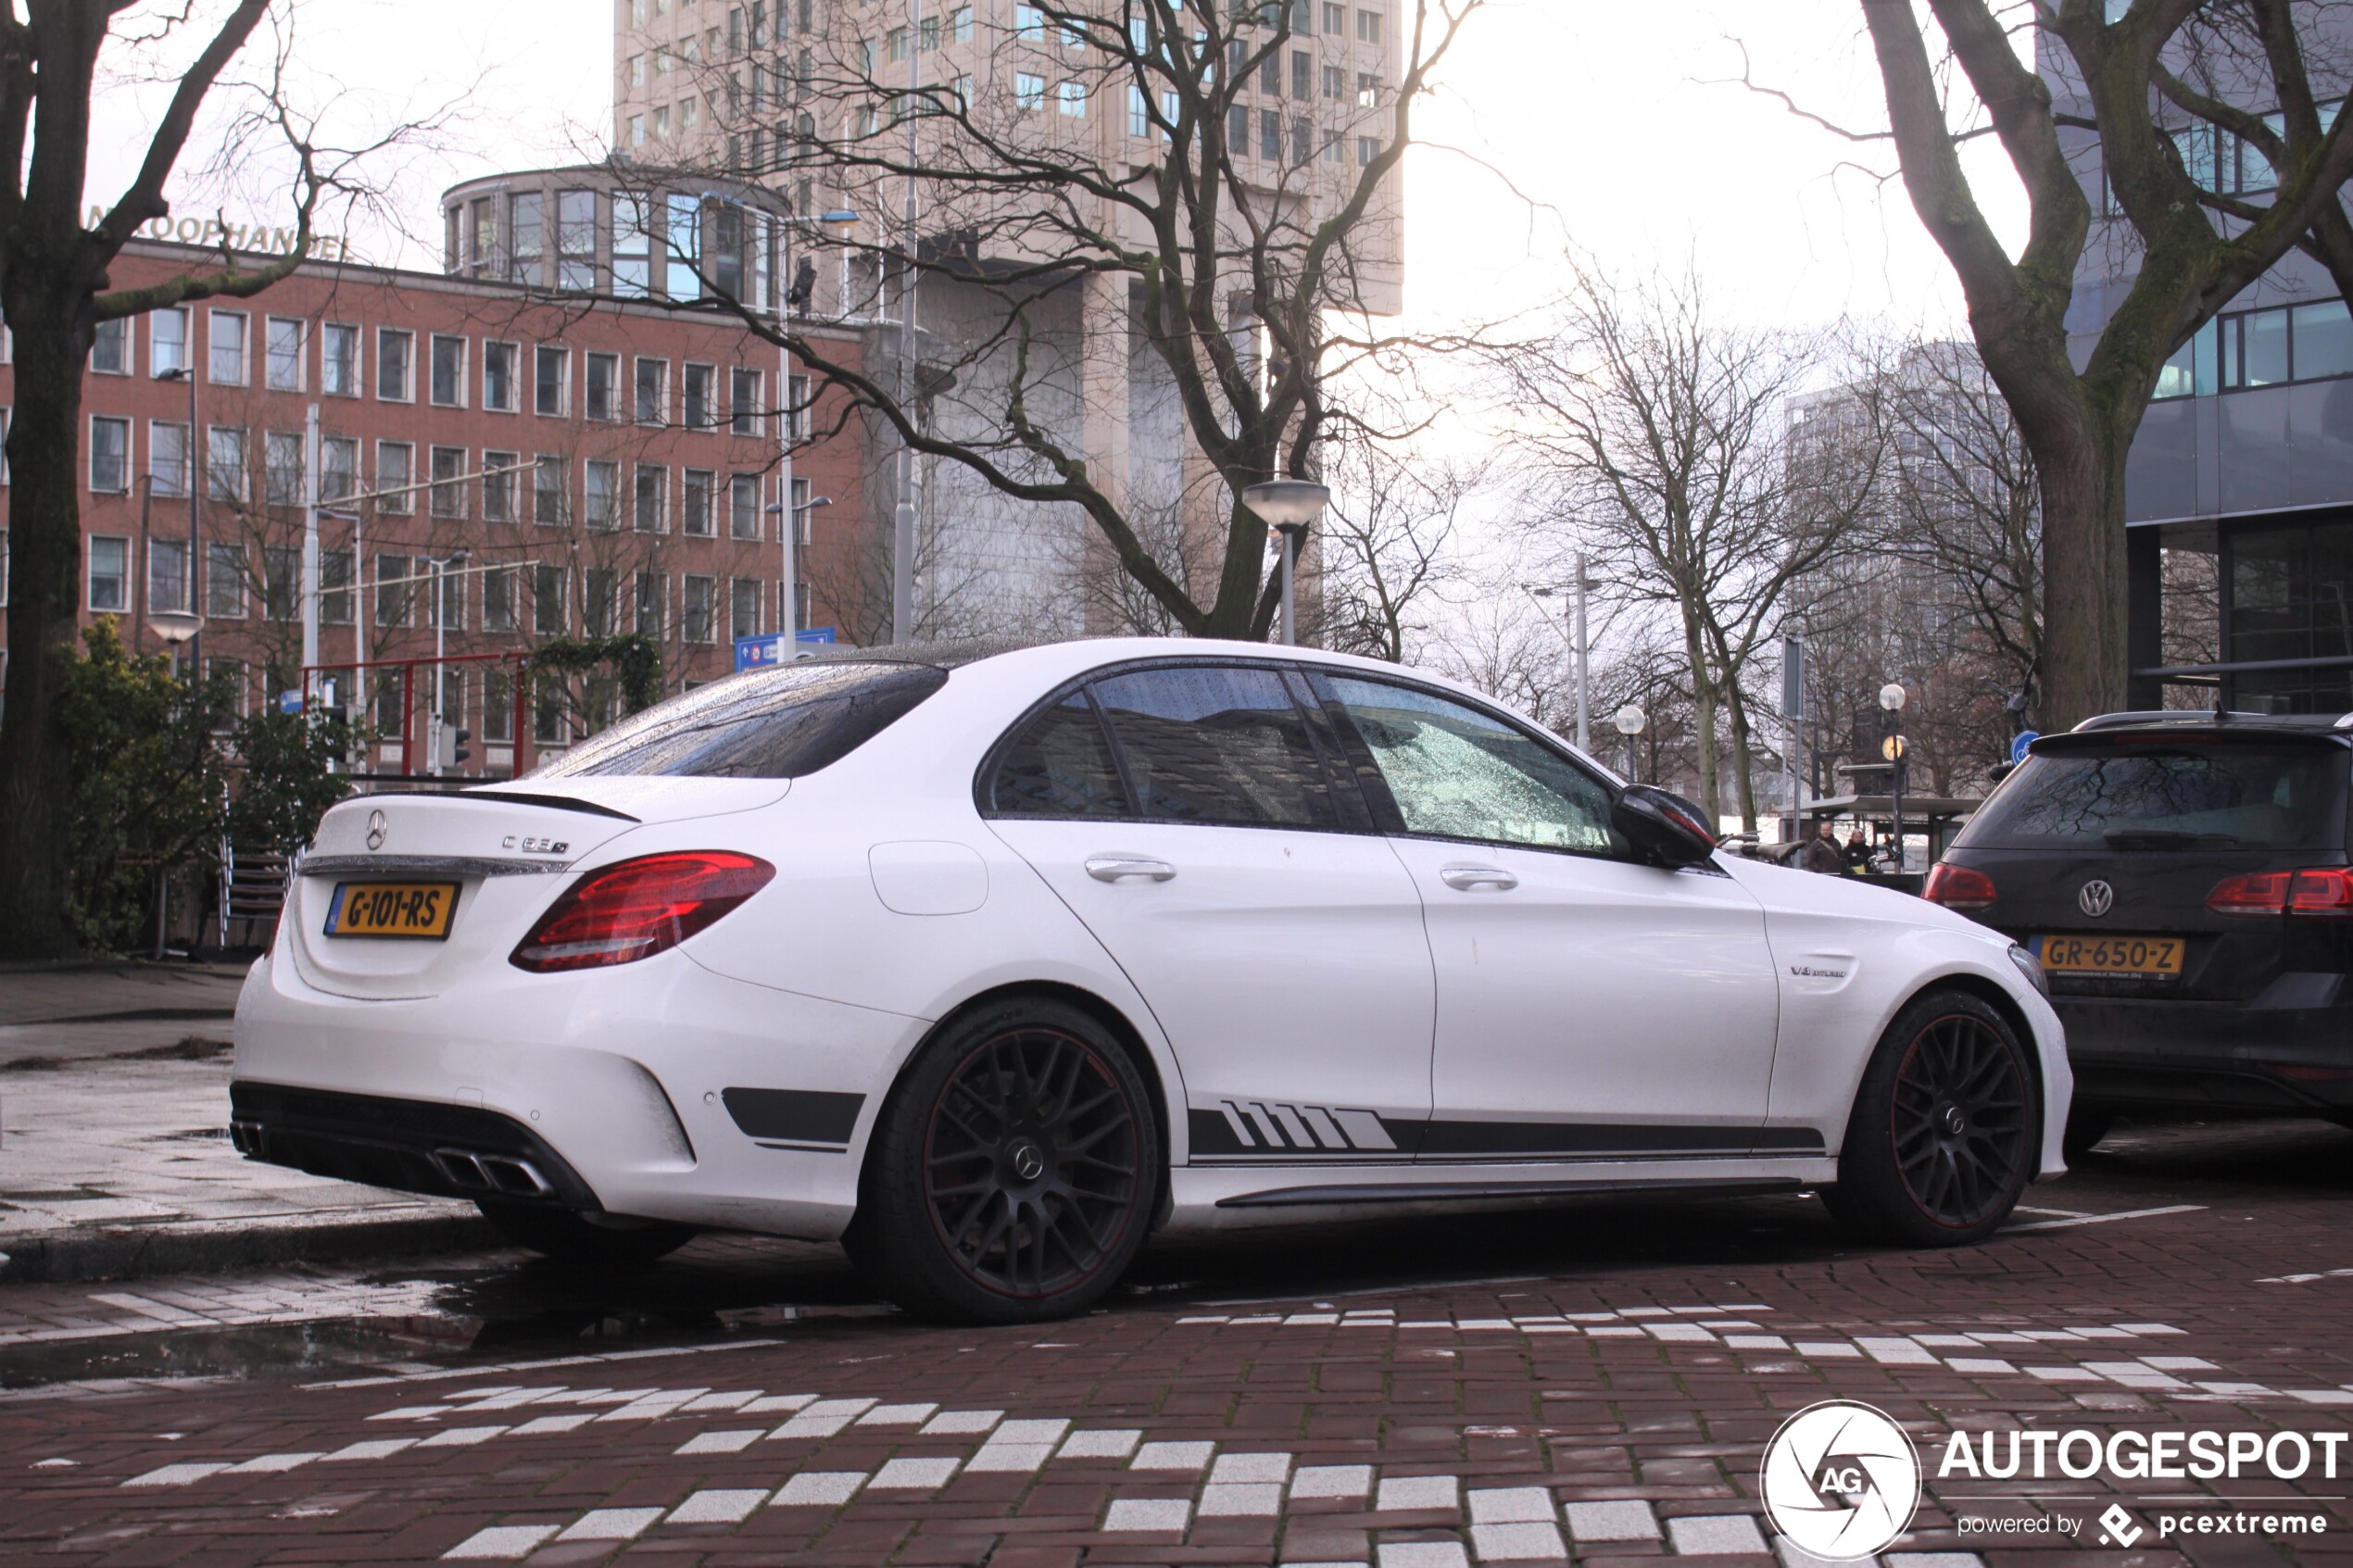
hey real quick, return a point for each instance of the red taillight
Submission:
(1957, 887)
(2326, 891)
(639, 907)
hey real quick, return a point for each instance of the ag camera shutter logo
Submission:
(1840, 1480)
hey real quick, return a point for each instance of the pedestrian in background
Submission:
(1822, 852)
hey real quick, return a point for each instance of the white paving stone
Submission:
(1512, 1505)
(1167, 1514)
(1331, 1481)
(610, 1525)
(726, 1399)
(177, 1474)
(896, 1415)
(503, 1540)
(733, 1442)
(1629, 1520)
(381, 1447)
(771, 1404)
(719, 1505)
(1518, 1543)
(1231, 1499)
(913, 1476)
(270, 1464)
(1406, 1494)
(820, 1488)
(1110, 1443)
(958, 1423)
(1896, 1351)
(823, 1419)
(1250, 1467)
(461, 1437)
(564, 1423)
(1172, 1456)
(1422, 1554)
(1980, 1365)
(1714, 1534)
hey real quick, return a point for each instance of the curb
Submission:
(101, 1252)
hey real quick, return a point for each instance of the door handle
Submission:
(1464, 878)
(1122, 868)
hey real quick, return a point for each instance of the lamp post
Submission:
(788, 590)
(440, 650)
(1890, 701)
(195, 634)
(175, 626)
(1581, 644)
(1629, 720)
(1289, 506)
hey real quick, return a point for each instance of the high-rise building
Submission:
(829, 101)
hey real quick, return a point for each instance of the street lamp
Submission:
(1576, 590)
(1289, 506)
(1630, 721)
(1890, 701)
(788, 590)
(440, 651)
(196, 649)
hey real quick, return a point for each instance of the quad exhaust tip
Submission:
(501, 1174)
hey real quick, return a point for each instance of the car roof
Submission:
(2207, 725)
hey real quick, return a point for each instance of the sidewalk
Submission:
(113, 1156)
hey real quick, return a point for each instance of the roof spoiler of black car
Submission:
(2154, 717)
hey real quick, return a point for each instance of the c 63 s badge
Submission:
(1840, 1480)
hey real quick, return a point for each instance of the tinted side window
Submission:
(1060, 766)
(1214, 745)
(1457, 774)
(772, 724)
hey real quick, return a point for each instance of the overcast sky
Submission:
(1600, 119)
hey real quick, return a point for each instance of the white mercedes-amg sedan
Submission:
(990, 965)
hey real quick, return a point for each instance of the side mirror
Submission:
(1665, 829)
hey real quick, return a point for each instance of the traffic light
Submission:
(460, 754)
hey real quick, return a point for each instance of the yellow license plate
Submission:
(393, 908)
(2154, 956)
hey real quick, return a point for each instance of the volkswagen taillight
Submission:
(633, 909)
(2324, 891)
(1957, 887)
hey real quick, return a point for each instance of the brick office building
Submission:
(642, 447)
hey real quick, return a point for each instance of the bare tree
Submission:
(1390, 544)
(54, 292)
(1113, 192)
(1660, 443)
(2098, 124)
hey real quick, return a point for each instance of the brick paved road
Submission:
(1596, 1383)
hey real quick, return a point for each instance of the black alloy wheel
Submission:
(1012, 1172)
(1029, 1168)
(1946, 1129)
(1958, 1118)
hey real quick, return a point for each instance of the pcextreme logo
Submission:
(1840, 1480)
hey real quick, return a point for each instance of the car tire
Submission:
(608, 1242)
(2087, 1123)
(1945, 1131)
(1012, 1172)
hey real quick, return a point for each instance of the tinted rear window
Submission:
(769, 724)
(2168, 798)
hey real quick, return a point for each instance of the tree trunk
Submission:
(1744, 780)
(1711, 782)
(44, 523)
(2085, 582)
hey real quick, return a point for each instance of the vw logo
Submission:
(2096, 898)
(375, 830)
(1840, 1480)
(1029, 1164)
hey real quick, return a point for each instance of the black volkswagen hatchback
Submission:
(2184, 878)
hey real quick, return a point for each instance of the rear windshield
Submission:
(767, 724)
(2168, 798)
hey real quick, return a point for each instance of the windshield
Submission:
(2164, 796)
(767, 724)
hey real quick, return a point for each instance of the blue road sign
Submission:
(760, 653)
(289, 702)
(2020, 742)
